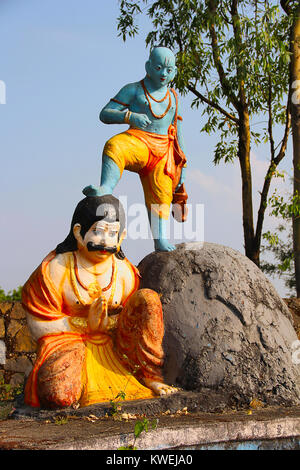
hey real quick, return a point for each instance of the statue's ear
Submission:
(174, 73)
(77, 234)
(122, 236)
(147, 67)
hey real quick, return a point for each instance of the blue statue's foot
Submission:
(163, 245)
(92, 190)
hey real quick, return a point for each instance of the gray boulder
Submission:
(227, 331)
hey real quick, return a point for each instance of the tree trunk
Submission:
(295, 115)
(244, 158)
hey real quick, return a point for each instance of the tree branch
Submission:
(238, 38)
(213, 104)
(270, 121)
(179, 41)
(272, 166)
(287, 129)
(285, 5)
(217, 61)
(263, 204)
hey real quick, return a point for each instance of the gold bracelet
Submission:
(127, 117)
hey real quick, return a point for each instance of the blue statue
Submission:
(153, 145)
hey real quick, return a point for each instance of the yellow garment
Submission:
(105, 375)
(131, 153)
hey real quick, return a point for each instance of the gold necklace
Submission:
(104, 289)
(87, 269)
(94, 290)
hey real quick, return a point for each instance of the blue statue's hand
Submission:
(139, 120)
(182, 178)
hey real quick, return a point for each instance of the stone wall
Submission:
(17, 349)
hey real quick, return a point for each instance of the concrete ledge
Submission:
(193, 431)
(194, 436)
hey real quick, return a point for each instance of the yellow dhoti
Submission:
(102, 378)
(106, 377)
(150, 155)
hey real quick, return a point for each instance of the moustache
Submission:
(110, 249)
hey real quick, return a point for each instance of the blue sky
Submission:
(61, 61)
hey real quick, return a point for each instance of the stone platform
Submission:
(90, 429)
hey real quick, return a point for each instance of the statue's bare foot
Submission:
(159, 387)
(163, 245)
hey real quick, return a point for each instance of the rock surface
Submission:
(17, 349)
(226, 328)
(293, 304)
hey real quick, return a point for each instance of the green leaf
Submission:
(130, 447)
(154, 424)
(138, 428)
(11, 296)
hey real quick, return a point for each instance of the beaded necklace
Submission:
(94, 290)
(147, 95)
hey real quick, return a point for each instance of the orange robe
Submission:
(105, 361)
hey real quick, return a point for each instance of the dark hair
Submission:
(89, 210)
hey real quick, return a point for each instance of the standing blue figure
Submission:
(153, 145)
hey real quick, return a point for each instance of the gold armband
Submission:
(112, 322)
(79, 322)
(127, 117)
(119, 102)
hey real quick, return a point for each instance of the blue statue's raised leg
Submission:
(159, 232)
(110, 175)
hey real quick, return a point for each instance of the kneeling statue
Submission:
(98, 334)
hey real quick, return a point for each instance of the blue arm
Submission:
(114, 113)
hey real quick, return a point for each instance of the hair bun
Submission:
(91, 190)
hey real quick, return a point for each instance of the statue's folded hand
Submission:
(97, 317)
(140, 121)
